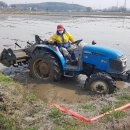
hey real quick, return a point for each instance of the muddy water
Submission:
(113, 32)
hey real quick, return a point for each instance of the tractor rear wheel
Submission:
(43, 65)
(100, 83)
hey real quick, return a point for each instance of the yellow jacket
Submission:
(58, 38)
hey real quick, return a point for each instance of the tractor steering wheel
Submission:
(77, 42)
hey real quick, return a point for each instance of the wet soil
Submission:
(68, 90)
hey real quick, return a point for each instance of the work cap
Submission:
(60, 27)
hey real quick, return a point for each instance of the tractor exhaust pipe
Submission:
(93, 42)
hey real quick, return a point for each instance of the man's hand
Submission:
(52, 42)
(77, 42)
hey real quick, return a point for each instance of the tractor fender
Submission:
(54, 50)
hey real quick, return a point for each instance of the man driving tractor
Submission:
(63, 39)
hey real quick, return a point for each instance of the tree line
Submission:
(4, 5)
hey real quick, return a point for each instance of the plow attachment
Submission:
(13, 57)
(10, 57)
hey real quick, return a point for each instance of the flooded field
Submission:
(112, 32)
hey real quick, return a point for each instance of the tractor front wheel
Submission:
(100, 83)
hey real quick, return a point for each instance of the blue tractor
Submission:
(102, 65)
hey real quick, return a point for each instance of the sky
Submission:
(91, 3)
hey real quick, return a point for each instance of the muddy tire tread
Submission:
(103, 77)
(54, 63)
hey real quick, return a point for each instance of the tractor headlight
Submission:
(118, 64)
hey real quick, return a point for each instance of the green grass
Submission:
(66, 122)
(5, 79)
(6, 123)
(115, 115)
(2, 107)
(65, 128)
(119, 114)
(89, 107)
(33, 127)
(55, 113)
(119, 103)
(61, 122)
(73, 124)
(124, 96)
(106, 108)
(30, 96)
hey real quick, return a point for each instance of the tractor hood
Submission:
(102, 50)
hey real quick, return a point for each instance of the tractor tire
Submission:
(100, 83)
(43, 65)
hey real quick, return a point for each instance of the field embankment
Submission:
(72, 14)
(21, 109)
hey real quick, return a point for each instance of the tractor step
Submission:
(70, 70)
(69, 74)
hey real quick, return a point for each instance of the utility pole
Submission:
(125, 4)
(117, 4)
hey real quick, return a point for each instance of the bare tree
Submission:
(13, 6)
(3, 5)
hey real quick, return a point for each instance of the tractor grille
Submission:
(118, 64)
